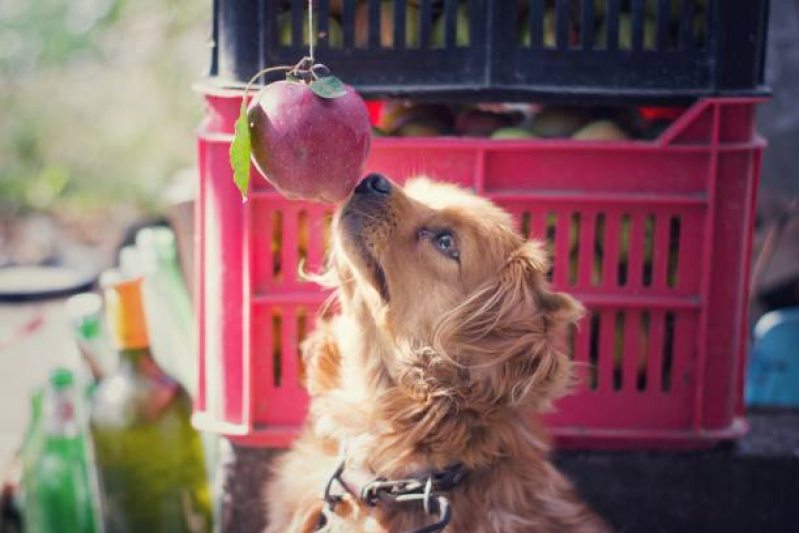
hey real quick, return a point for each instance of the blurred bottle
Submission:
(85, 313)
(150, 458)
(59, 476)
(31, 452)
(167, 304)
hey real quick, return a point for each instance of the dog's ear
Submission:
(509, 333)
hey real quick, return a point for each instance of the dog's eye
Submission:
(443, 240)
(446, 243)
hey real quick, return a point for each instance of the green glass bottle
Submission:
(60, 482)
(30, 453)
(150, 457)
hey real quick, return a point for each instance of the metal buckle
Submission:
(408, 490)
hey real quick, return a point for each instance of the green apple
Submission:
(461, 28)
(387, 25)
(513, 133)
(335, 35)
(554, 122)
(600, 130)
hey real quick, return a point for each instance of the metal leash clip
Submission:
(414, 490)
(427, 491)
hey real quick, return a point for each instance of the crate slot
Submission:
(594, 323)
(302, 333)
(277, 347)
(599, 246)
(618, 350)
(649, 251)
(303, 238)
(643, 355)
(348, 23)
(624, 251)
(574, 247)
(526, 221)
(550, 234)
(668, 353)
(675, 229)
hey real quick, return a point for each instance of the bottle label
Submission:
(125, 310)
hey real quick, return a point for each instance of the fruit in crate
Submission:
(416, 120)
(480, 123)
(600, 130)
(362, 13)
(554, 122)
(334, 35)
(550, 30)
(513, 133)
(625, 41)
(438, 37)
(309, 139)
(420, 128)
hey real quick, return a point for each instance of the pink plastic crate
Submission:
(654, 237)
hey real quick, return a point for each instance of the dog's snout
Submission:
(374, 184)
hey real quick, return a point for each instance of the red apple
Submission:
(307, 146)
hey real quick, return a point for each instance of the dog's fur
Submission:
(433, 360)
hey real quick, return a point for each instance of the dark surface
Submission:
(244, 473)
(752, 486)
(494, 67)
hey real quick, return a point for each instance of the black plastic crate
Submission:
(646, 50)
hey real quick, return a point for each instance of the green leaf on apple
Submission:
(240, 150)
(328, 87)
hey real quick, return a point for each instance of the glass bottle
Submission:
(150, 457)
(59, 477)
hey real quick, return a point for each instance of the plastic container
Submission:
(773, 374)
(649, 50)
(653, 236)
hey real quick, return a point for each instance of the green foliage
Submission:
(96, 99)
(240, 151)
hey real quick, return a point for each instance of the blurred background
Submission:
(97, 115)
(96, 128)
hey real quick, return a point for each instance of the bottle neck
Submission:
(141, 361)
(61, 414)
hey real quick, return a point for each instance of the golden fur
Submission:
(432, 360)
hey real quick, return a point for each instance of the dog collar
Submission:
(426, 489)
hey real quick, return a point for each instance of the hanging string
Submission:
(311, 33)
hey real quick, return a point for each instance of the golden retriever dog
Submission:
(425, 386)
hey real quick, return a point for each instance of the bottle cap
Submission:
(61, 378)
(125, 310)
(84, 311)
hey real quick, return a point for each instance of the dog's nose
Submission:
(374, 184)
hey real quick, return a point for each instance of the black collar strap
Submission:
(426, 489)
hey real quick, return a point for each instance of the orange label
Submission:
(125, 312)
